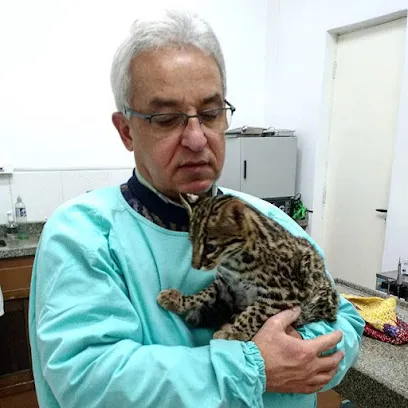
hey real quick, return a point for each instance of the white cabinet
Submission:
(261, 166)
(231, 173)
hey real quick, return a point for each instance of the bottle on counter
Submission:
(20, 211)
(399, 274)
(10, 220)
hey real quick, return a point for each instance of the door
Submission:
(16, 378)
(360, 152)
(231, 173)
(269, 166)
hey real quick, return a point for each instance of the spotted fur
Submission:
(261, 270)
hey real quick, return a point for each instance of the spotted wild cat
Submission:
(261, 270)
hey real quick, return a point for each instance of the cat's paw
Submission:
(227, 333)
(170, 299)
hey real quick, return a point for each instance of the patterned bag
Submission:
(394, 334)
(381, 318)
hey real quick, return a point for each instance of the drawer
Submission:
(15, 277)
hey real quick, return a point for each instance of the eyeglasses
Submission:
(216, 120)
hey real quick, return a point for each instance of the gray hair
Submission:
(173, 28)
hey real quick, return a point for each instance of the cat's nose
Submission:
(196, 264)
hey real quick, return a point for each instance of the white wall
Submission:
(297, 88)
(55, 98)
(43, 191)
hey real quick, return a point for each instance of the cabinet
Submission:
(329, 399)
(16, 377)
(332, 399)
(264, 167)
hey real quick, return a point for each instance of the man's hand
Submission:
(293, 332)
(294, 365)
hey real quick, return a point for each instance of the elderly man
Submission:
(98, 336)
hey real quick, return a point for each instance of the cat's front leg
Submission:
(175, 301)
(171, 299)
(247, 323)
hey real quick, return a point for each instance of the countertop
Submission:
(380, 377)
(20, 247)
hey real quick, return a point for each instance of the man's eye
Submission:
(210, 116)
(167, 120)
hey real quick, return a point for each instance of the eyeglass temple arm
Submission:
(232, 107)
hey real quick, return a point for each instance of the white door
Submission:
(365, 108)
(231, 173)
(269, 166)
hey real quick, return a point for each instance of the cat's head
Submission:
(217, 228)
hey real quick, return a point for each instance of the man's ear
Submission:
(188, 200)
(122, 126)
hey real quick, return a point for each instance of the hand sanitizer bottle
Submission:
(20, 211)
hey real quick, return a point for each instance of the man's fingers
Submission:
(321, 379)
(286, 317)
(329, 363)
(326, 342)
(290, 331)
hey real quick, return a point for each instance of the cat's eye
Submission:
(210, 248)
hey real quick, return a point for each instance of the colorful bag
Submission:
(381, 318)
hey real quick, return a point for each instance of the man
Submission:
(98, 336)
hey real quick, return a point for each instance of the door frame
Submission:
(322, 142)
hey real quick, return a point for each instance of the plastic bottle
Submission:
(20, 211)
(11, 227)
(10, 219)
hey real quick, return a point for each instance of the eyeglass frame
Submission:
(129, 112)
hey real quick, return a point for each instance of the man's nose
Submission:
(193, 136)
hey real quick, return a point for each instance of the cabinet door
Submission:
(14, 343)
(16, 378)
(269, 166)
(26, 399)
(15, 357)
(231, 173)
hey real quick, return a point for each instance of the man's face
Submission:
(187, 159)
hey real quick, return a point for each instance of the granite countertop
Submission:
(380, 377)
(21, 247)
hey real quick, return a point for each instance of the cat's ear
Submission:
(188, 200)
(235, 213)
(236, 209)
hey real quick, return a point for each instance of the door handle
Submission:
(381, 210)
(245, 169)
